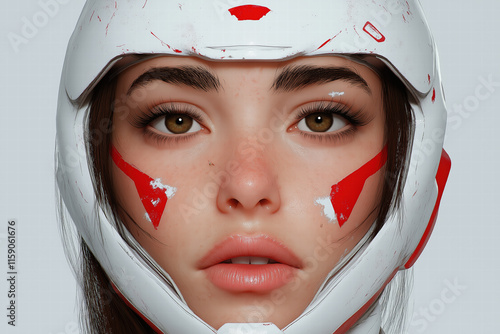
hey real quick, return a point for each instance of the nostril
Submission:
(232, 203)
(265, 203)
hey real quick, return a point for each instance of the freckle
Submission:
(211, 164)
(321, 226)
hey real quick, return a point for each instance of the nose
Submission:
(252, 187)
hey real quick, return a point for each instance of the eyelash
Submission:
(146, 117)
(355, 118)
(149, 115)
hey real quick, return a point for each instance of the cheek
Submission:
(152, 193)
(345, 194)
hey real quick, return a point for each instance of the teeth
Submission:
(259, 260)
(241, 260)
(250, 260)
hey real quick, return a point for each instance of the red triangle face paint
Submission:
(345, 194)
(249, 12)
(152, 192)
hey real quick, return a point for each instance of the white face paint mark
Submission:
(169, 191)
(328, 210)
(147, 217)
(334, 94)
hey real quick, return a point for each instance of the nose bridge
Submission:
(252, 184)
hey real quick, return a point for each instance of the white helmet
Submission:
(394, 31)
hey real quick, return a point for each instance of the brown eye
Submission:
(322, 122)
(178, 124)
(319, 122)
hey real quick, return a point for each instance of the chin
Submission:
(274, 307)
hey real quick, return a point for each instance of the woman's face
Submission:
(249, 155)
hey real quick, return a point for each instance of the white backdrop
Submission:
(457, 286)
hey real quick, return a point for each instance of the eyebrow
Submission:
(299, 76)
(193, 76)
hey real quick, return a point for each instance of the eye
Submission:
(176, 124)
(322, 122)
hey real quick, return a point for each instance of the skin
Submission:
(273, 181)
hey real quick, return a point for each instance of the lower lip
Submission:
(250, 277)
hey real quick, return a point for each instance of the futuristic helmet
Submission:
(394, 31)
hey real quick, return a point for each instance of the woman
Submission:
(245, 168)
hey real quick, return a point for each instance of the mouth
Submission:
(250, 264)
(250, 260)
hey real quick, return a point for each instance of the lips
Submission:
(249, 264)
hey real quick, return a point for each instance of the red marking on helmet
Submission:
(249, 12)
(112, 16)
(345, 194)
(325, 43)
(322, 45)
(441, 178)
(158, 38)
(165, 44)
(409, 9)
(370, 29)
(81, 193)
(433, 95)
(129, 304)
(356, 316)
(153, 199)
(429, 78)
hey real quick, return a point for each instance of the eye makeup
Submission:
(147, 116)
(159, 120)
(354, 119)
(145, 119)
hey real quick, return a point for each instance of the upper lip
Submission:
(257, 246)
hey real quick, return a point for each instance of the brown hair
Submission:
(105, 311)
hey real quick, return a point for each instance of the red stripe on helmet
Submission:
(441, 178)
(249, 12)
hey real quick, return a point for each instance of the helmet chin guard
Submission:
(394, 31)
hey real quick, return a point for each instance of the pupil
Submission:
(179, 121)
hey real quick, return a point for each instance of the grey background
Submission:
(463, 251)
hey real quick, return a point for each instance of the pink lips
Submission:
(249, 277)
